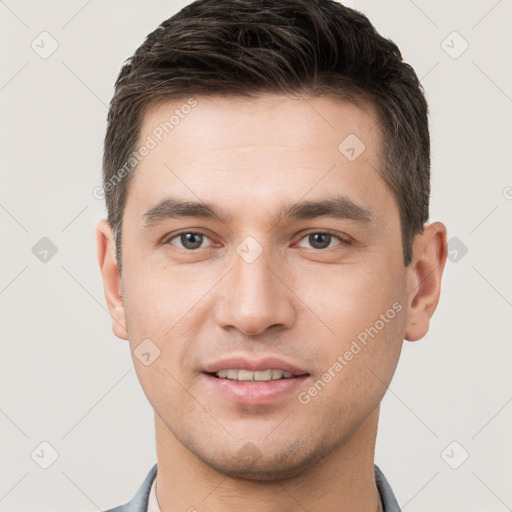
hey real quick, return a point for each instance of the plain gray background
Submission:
(67, 381)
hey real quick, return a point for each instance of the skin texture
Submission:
(303, 304)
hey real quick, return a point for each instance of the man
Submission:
(267, 250)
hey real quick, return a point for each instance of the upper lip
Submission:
(245, 363)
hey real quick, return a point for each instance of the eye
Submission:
(321, 240)
(189, 240)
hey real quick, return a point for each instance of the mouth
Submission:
(254, 376)
(249, 382)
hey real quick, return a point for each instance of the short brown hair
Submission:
(246, 47)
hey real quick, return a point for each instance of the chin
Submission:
(249, 463)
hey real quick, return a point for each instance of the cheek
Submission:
(364, 308)
(159, 298)
(350, 298)
(159, 311)
(166, 307)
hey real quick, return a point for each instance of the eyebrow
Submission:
(338, 207)
(172, 208)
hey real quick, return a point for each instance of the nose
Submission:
(255, 297)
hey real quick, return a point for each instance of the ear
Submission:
(424, 279)
(111, 277)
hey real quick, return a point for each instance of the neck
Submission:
(342, 481)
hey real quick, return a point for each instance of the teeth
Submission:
(246, 375)
(276, 374)
(261, 375)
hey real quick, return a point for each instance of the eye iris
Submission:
(191, 240)
(320, 240)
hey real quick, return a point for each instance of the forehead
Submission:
(302, 124)
(268, 148)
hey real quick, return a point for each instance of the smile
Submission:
(247, 375)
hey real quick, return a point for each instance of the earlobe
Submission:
(424, 279)
(111, 277)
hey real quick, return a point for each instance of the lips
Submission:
(253, 382)
(243, 368)
(248, 375)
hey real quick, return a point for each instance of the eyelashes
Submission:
(194, 240)
(190, 240)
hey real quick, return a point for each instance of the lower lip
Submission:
(255, 392)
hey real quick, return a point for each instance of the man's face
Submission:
(297, 261)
